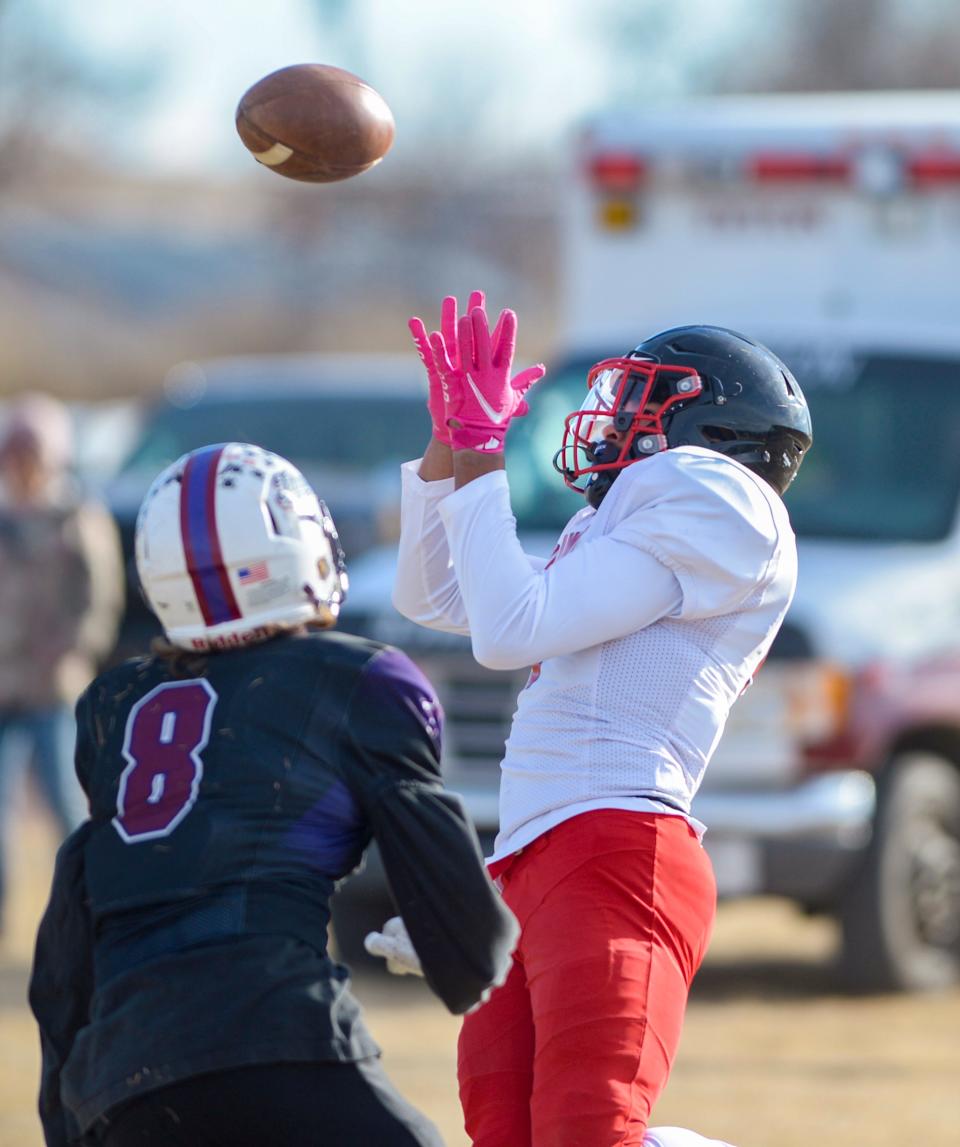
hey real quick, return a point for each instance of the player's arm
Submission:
(61, 982)
(600, 590)
(426, 589)
(694, 547)
(458, 924)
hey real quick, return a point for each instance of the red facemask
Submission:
(621, 420)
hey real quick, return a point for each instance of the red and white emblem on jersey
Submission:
(564, 546)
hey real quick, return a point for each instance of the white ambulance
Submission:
(825, 209)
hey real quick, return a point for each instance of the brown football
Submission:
(315, 123)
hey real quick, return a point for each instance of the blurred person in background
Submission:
(181, 979)
(659, 603)
(61, 595)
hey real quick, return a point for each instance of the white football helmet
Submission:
(232, 543)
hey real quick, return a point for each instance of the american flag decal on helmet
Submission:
(251, 574)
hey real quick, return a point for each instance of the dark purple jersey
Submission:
(187, 925)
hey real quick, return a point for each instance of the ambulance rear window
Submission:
(885, 465)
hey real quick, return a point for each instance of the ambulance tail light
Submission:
(616, 172)
(798, 167)
(934, 169)
(879, 170)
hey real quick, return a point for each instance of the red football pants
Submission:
(615, 910)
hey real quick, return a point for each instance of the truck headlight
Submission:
(818, 696)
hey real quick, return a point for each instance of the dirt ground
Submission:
(772, 1054)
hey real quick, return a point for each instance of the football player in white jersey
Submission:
(659, 604)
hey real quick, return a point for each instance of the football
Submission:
(315, 123)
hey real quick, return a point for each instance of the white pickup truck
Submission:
(828, 227)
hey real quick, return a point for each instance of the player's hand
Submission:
(395, 945)
(437, 381)
(481, 397)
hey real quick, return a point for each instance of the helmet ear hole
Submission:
(272, 519)
(714, 434)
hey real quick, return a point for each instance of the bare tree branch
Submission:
(48, 88)
(856, 45)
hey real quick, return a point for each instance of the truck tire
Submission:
(900, 916)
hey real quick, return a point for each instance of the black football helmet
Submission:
(689, 386)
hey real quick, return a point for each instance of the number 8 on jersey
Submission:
(165, 734)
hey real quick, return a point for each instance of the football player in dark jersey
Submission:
(181, 980)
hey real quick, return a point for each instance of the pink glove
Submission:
(436, 398)
(481, 396)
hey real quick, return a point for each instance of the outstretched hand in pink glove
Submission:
(481, 397)
(437, 381)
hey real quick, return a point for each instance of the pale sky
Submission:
(507, 74)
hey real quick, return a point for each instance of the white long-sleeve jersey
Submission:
(642, 629)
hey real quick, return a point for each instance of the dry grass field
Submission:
(772, 1055)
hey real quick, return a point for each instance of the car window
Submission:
(329, 432)
(885, 465)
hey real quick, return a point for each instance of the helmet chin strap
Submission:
(601, 482)
(642, 446)
(598, 486)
